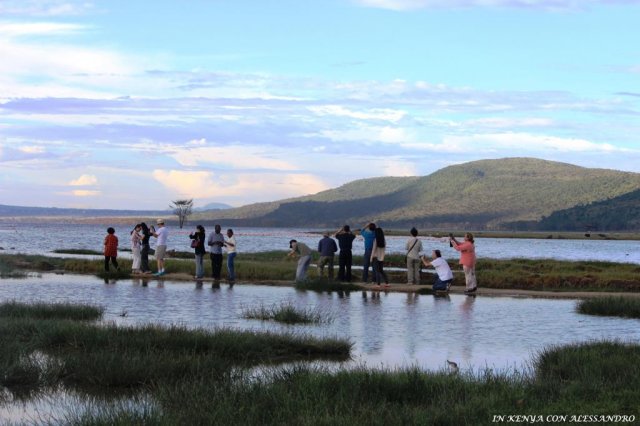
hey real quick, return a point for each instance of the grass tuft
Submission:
(615, 306)
(287, 313)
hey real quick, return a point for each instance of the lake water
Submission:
(44, 238)
(387, 329)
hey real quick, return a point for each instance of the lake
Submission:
(43, 238)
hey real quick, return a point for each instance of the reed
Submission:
(50, 311)
(626, 307)
(526, 274)
(599, 378)
(287, 313)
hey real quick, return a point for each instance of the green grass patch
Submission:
(79, 251)
(286, 313)
(208, 377)
(51, 311)
(627, 307)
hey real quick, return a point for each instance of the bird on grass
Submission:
(453, 366)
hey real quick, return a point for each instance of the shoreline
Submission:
(399, 288)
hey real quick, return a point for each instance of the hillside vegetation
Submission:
(485, 194)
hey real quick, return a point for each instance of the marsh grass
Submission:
(287, 313)
(202, 377)
(526, 274)
(626, 307)
(78, 251)
(86, 355)
(573, 379)
(51, 311)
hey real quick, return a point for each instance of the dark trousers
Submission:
(365, 267)
(344, 265)
(112, 259)
(216, 265)
(144, 258)
(378, 268)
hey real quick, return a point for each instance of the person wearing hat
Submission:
(302, 250)
(162, 235)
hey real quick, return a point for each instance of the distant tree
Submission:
(182, 209)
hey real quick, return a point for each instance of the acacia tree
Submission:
(182, 209)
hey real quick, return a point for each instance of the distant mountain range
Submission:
(22, 211)
(502, 194)
(481, 195)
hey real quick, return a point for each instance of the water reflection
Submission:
(391, 329)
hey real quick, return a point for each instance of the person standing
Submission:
(377, 257)
(110, 249)
(345, 240)
(413, 247)
(144, 248)
(136, 240)
(368, 233)
(216, 242)
(162, 234)
(445, 276)
(327, 248)
(467, 251)
(304, 252)
(230, 244)
(198, 238)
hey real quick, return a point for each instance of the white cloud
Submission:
(526, 142)
(509, 123)
(84, 180)
(14, 29)
(45, 7)
(370, 114)
(32, 149)
(85, 193)
(234, 156)
(397, 167)
(250, 187)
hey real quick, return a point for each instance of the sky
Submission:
(132, 104)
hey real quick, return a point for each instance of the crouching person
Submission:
(445, 276)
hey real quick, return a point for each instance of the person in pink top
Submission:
(468, 260)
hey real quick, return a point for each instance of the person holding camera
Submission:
(445, 276)
(467, 251)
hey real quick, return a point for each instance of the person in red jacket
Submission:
(467, 251)
(110, 249)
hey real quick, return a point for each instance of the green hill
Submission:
(616, 214)
(485, 194)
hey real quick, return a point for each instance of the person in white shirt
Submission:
(162, 234)
(230, 244)
(445, 276)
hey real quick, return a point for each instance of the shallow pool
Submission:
(387, 329)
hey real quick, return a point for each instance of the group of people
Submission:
(374, 254)
(140, 236)
(216, 242)
(140, 248)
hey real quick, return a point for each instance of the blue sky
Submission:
(132, 104)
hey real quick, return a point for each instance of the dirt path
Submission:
(405, 288)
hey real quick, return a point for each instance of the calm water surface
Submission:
(44, 238)
(391, 330)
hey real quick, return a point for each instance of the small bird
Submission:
(453, 366)
(124, 314)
